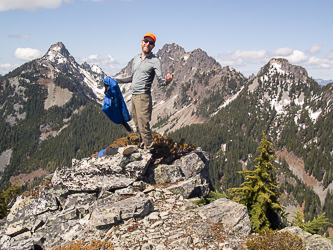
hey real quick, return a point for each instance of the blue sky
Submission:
(243, 34)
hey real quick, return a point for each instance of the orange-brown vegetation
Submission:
(164, 147)
(94, 245)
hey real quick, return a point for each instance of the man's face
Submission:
(146, 47)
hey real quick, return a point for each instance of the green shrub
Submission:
(215, 195)
(313, 226)
(6, 198)
(274, 240)
(200, 202)
(210, 198)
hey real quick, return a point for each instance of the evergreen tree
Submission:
(310, 226)
(3, 206)
(259, 191)
(6, 199)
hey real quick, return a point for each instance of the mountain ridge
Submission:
(211, 106)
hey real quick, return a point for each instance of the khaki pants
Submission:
(141, 113)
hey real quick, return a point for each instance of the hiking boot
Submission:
(150, 147)
(130, 149)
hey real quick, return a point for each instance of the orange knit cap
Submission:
(151, 35)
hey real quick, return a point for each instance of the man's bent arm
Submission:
(158, 72)
(125, 79)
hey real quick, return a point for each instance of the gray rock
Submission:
(22, 244)
(147, 246)
(107, 172)
(80, 201)
(65, 215)
(6, 241)
(26, 207)
(29, 223)
(105, 216)
(125, 191)
(232, 215)
(189, 205)
(164, 173)
(203, 229)
(318, 242)
(139, 185)
(58, 231)
(106, 201)
(232, 244)
(193, 187)
(191, 165)
(310, 241)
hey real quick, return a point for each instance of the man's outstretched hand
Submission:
(168, 77)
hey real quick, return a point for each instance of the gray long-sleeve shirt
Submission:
(143, 73)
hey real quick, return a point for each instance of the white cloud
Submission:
(282, 52)
(30, 5)
(22, 36)
(33, 5)
(253, 59)
(240, 58)
(6, 67)
(329, 55)
(250, 54)
(297, 57)
(93, 57)
(107, 63)
(319, 63)
(27, 54)
(315, 49)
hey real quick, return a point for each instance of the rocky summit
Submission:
(134, 203)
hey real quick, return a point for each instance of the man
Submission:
(144, 68)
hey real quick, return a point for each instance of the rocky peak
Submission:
(282, 67)
(60, 59)
(170, 52)
(202, 59)
(58, 53)
(85, 66)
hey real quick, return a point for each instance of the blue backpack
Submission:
(114, 105)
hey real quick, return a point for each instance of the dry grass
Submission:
(268, 239)
(94, 245)
(164, 147)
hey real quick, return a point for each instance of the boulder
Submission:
(105, 216)
(8, 243)
(193, 187)
(26, 207)
(79, 201)
(60, 230)
(164, 173)
(107, 172)
(233, 216)
(191, 165)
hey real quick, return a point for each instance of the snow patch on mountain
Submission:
(314, 115)
(276, 68)
(54, 55)
(93, 84)
(96, 69)
(227, 102)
